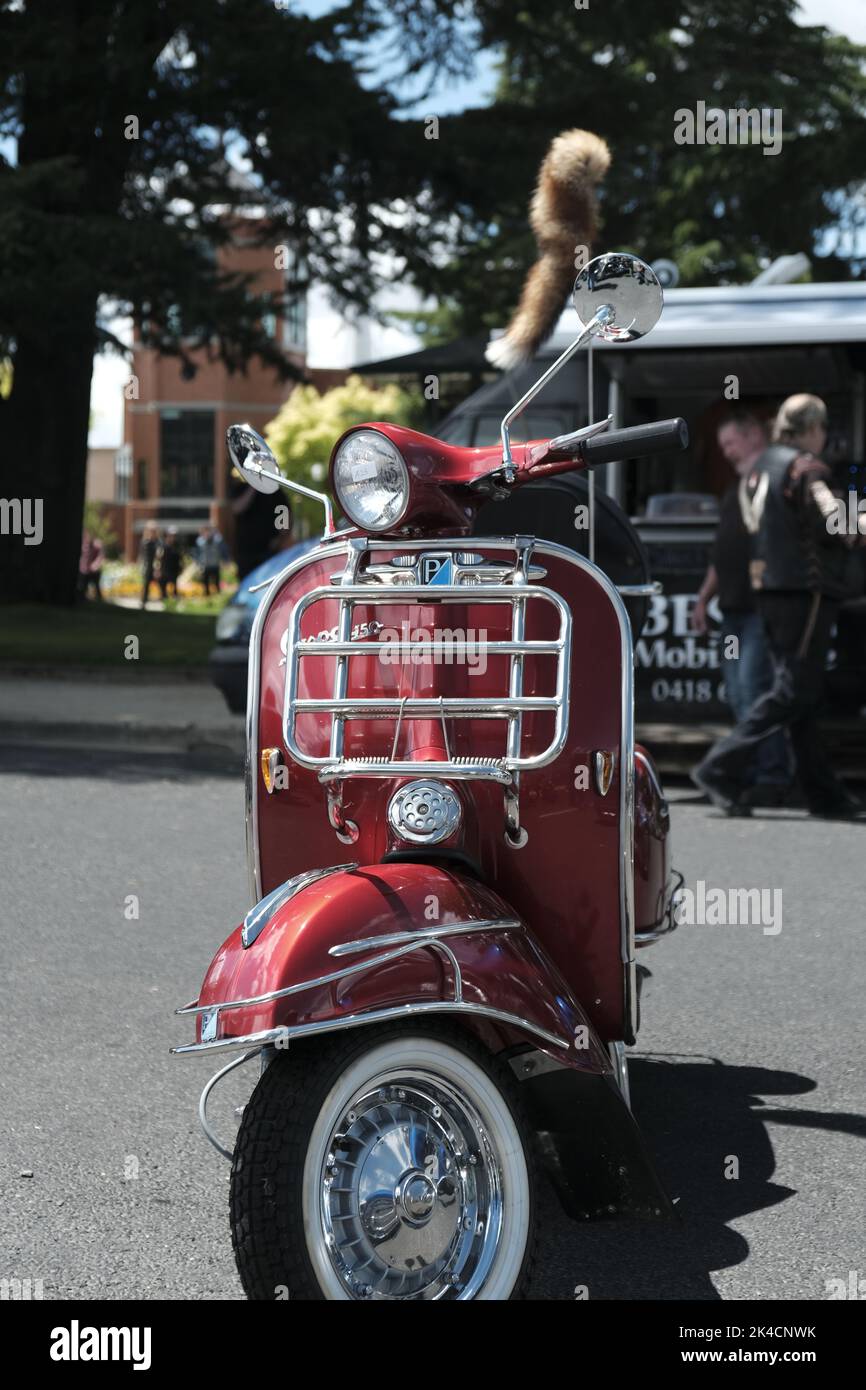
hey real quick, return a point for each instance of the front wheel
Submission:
(389, 1163)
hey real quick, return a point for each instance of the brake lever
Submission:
(563, 441)
(567, 442)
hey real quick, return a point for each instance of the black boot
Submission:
(725, 795)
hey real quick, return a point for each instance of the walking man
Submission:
(797, 567)
(748, 671)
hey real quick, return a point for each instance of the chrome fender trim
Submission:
(280, 1037)
(406, 943)
(259, 916)
(205, 1096)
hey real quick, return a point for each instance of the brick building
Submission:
(173, 467)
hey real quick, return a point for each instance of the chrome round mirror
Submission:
(629, 288)
(251, 454)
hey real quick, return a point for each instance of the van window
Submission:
(458, 431)
(534, 424)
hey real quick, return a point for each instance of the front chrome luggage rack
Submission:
(357, 586)
(469, 577)
(463, 769)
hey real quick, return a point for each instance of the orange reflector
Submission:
(604, 765)
(270, 763)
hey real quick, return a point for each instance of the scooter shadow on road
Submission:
(697, 1115)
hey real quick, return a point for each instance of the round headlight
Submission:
(371, 480)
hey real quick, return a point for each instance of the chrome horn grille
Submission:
(425, 812)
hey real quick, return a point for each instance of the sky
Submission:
(332, 341)
(847, 17)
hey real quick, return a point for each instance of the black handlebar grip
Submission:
(657, 437)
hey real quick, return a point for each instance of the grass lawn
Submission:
(94, 634)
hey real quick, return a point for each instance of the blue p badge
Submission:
(437, 569)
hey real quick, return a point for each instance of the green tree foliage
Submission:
(122, 115)
(623, 70)
(435, 326)
(97, 521)
(127, 118)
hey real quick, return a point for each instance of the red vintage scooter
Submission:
(452, 1001)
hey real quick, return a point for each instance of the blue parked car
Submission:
(228, 659)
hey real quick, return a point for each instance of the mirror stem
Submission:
(604, 315)
(321, 497)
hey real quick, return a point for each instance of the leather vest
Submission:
(787, 550)
(778, 559)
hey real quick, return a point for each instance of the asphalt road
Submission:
(751, 1050)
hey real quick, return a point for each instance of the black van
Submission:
(712, 348)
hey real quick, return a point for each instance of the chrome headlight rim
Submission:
(363, 523)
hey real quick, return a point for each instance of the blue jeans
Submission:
(747, 678)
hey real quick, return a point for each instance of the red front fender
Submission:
(478, 961)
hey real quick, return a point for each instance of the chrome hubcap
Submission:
(417, 1197)
(411, 1199)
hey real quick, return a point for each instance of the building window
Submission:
(123, 473)
(295, 311)
(296, 323)
(186, 467)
